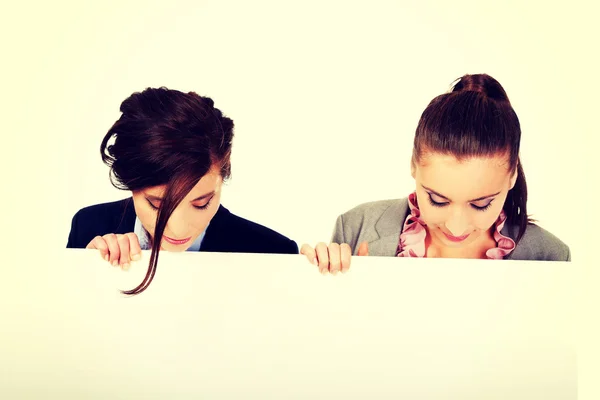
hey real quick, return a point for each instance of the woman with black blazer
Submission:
(172, 151)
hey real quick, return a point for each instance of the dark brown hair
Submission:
(476, 119)
(166, 137)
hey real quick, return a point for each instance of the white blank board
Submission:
(252, 326)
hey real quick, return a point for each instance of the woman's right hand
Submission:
(333, 258)
(118, 249)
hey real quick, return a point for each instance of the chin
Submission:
(178, 250)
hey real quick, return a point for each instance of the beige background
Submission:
(325, 97)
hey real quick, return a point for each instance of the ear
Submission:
(413, 169)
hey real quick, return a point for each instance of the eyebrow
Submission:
(204, 196)
(470, 201)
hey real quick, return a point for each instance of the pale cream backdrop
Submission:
(325, 96)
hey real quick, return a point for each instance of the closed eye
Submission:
(151, 205)
(436, 203)
(204, 207)
(482, 208)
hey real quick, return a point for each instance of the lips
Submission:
(456, 238)
(176, 241)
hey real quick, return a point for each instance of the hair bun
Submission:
(206, 100)
(481, 83)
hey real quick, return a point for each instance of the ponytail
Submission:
(515, 205)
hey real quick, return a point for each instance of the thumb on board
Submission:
(363, 249)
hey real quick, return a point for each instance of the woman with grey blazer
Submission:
(471, 195)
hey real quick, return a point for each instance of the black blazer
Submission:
(227, 233)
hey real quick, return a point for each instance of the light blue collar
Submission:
(144, 237)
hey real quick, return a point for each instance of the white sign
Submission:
(253, 326)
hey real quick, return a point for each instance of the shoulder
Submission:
(103, 210)
(368, 214)
(100, 219)
(539, 244)
(370, 221)
(374, 209)
(232, 233)
(246, 226)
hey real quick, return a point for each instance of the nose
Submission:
(178, 225)
(457, 224)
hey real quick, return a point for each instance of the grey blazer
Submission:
(380, 222)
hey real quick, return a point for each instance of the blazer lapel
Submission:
(387, 230)
(522, 248)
